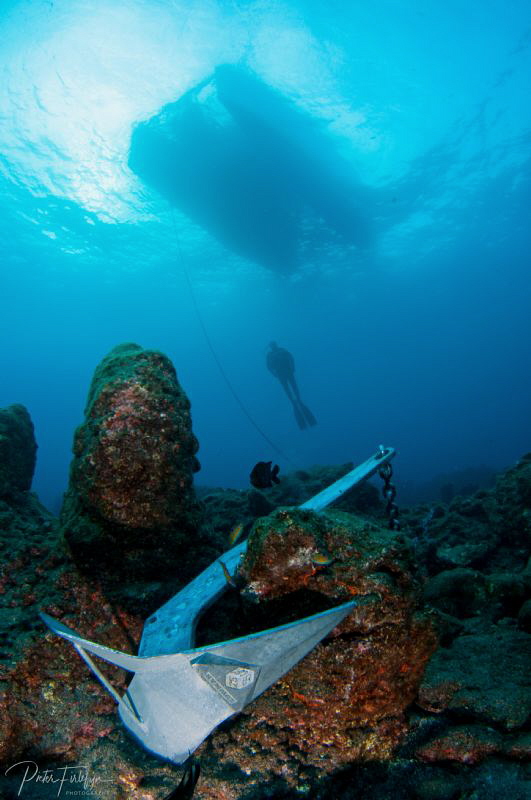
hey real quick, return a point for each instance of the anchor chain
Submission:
(389, 493)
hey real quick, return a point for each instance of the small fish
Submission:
(263, 475)
(228, 577)
(322, 559)
(185, 789)
(235, 533)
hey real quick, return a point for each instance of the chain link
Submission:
(389, 493)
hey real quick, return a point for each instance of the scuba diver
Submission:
(281, 363)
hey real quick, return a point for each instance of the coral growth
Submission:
(135, 453)
(367, 713)
(346, 700)
(130, 506)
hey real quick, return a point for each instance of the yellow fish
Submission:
(228, 576)
(322, 559)
(235, 533)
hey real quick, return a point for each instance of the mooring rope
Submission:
(215, 356)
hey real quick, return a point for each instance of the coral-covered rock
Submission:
(135, 453)
(513, 493)
(26, 570)
(507, 592)
(465, 593)
(130, 505)
(50, 705)
(18, 450)
(37, 675)
(471, 744)
(460, 592)
(345, 701)
(484, 678)
(467, 744)
(488, 531)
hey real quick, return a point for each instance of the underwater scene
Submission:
(265, 399)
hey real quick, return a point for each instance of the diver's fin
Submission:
(185, 789)
(299, 416)
(308, 416)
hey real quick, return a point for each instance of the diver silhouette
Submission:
(281, 364)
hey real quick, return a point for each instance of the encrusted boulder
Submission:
(476, 691)
(346, 701)
(130, 505)
(459, 592)
(18, 450)
(482, 678)
(471, 744)
(489, 531)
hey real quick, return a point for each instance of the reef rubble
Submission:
(424, 692)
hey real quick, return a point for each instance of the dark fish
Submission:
(263, 476)
(185, 789)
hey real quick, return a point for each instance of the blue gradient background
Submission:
(420, 342)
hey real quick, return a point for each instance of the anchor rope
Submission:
(215, 356)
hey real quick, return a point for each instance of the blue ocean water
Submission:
(418, 338)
